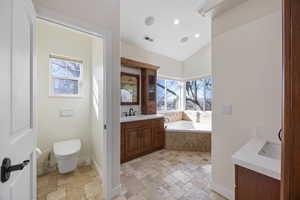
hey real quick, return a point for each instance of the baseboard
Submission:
(115, 192)
(223, 191)
(84, 161)
(98, 168)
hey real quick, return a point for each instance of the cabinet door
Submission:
(158, 134)
(158, 138)
(146, 140)
(149, 91)
(123, 156)
(132, 143)
(251, 185)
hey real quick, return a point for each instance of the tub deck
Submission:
(188, 136)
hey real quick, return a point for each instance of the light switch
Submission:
(66, 113)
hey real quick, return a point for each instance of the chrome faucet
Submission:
(131, 112)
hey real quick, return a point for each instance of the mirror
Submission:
(130, 89)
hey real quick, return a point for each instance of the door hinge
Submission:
(105, 127)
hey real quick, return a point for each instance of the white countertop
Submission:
(248, 156)
(140, 117)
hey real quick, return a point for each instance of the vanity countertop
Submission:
(250, 156)
(140, 117)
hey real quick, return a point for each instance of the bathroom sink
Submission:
(140, 117)
(271, 150)
(130, 117)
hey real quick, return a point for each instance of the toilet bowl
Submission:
(67, 154)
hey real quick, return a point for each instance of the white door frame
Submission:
(108, 76)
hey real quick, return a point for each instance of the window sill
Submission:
(65, 97)
(169, 111)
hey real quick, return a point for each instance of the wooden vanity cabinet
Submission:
(141, 137)
(251, 185)
(149, 77)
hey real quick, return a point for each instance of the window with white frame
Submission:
(198, 94)
(65, 76)
(169, 94)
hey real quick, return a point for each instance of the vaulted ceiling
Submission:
(168, 37)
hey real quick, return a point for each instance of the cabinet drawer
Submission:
(137, 124)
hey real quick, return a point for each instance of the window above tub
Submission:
(198, 94)
(65, 76)
(169, 94)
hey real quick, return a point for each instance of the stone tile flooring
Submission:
(82, 184)
(163, 175)
(168, 175)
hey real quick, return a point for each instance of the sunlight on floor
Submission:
(82, 184)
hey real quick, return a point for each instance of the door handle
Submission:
(280, 135)
(7, 168)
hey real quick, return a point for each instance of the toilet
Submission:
(67, 154)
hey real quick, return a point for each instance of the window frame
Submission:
(180, 103)
(52, 77)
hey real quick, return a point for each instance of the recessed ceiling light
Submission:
(184, 39)
(197, 35)
(176, 21)
(149, 20)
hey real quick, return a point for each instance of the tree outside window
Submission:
(161, 94)
(199, 94)
(65, 76)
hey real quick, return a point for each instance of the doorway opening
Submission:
(166, 102)
(70, 113)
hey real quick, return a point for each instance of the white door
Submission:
(17, 98)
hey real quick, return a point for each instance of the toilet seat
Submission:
(67, 148)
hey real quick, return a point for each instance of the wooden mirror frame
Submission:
(138, 88)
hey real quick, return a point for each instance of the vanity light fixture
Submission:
(197, 35)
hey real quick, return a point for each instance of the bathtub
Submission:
(188, 136)
(187, 127)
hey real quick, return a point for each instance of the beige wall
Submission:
(243, 14)
(246, 68)
(168, 67)
(97, 102)
(199, 64)
(52, 39)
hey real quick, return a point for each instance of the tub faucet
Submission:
(198, 117)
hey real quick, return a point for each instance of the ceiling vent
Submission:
(184, 39)
(149, 39)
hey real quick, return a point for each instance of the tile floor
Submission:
(82, 184)
(163, 175)
(168, 175)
